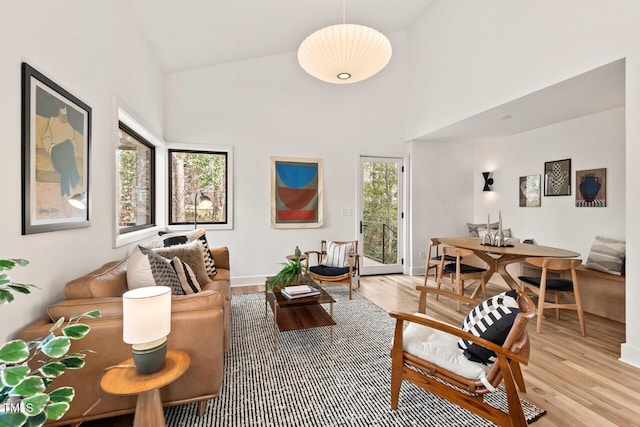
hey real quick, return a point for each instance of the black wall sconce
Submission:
(488, 182)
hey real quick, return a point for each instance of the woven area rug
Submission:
(311, 382)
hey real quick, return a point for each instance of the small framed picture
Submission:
(557, 178)
(591, 188)
(56, 134)
(530, 191)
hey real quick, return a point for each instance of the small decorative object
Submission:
(56, 134)
(146, 320)
(296, 193)
(487, 239)
(592, 188)
(530, 191)
(557, 178)
(24, 395)
(499, 239)
(290, 273)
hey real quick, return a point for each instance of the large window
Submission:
(136, 178)
(194, 172)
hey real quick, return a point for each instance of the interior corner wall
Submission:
(93, 50)
(591, 142)
(270, 107)
(441, 195)
(468, 57)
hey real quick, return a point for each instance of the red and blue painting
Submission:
(296, 198)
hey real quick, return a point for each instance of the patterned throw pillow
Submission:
(192, 253)
(338, 254)
(491, 320)
(146, 268)
(607, 255)
(473, 228)
(187, 277)
(199, 234)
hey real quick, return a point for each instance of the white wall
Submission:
(591, 142)
(467, 57)
(93, 50)
(270, 107)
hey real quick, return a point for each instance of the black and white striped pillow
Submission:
(491, 320)
(186, 276)
(338, 254)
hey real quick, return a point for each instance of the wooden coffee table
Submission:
(299, 313)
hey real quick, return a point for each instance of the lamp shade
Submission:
(344, 53)
(146, 314)
(202, 201)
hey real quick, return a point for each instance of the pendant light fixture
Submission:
(344, 53)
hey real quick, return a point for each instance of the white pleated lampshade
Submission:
(344, 53)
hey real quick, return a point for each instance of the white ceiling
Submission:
(189, 34)
(594, 91)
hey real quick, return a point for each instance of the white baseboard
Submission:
(247, 280)
(630, 354)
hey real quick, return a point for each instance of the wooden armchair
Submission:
(337, 262)
(466, 390)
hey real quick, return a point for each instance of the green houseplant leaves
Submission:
(23, 389)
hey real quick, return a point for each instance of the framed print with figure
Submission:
(56, 135)
(296, 192)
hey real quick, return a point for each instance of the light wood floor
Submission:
(577, 380)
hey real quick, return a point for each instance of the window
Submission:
(192, 172)
(136, 178)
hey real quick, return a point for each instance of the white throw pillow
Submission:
(338, 254)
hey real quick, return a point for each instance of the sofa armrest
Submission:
(221, 257)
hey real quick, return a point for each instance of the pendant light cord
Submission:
(344, 11)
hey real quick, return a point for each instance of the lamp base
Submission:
(150, 360)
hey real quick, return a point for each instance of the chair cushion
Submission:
(338, 254)
(447, 258)
(492, 320)
(553, 283)
(464, 269)
(323, 270)
(440, 349)
(607, 255)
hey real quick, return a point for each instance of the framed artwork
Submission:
(591, 188)
(296, 192)
(557, 178)
(56, 135)
(530, 191)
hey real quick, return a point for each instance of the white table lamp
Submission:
(146, 320)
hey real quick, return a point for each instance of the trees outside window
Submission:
(380, 211)
(191, 172)
(136, 178)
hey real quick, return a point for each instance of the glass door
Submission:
(381, 217)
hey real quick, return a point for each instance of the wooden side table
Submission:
(126, 380)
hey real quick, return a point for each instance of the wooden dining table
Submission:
(498, 257)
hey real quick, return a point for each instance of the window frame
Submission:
(121, 115)
(203, 149)
(152, 182)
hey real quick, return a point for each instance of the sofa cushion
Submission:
(607, 255)
(200, 234)
(110, 307)
(473, 228)
(146, 268)
(110, 280)
(187, 277)
(492, 320)
(192, 253)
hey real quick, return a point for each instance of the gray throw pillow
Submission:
(607, 255)
(192, 253)
(473, 228)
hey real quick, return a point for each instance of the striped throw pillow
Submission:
(338, 254)
(186, 276)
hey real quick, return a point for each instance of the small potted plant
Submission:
(291, 273)
(24, 397)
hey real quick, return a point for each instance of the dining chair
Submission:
(459, 272)
(337, 262)
(555, 286)
(433, 259)
(426, 352)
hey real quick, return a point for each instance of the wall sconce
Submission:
(488, 181)
(203, 202)
(146, 321)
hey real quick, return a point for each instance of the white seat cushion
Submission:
(440, 349)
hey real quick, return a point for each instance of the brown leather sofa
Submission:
(200, 326)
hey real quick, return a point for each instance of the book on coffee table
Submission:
(300, 291)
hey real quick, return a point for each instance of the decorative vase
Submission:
(590, 187)
(488, 238)
(499, 239)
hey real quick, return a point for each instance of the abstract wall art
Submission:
(530, 191)
(557, 178)
(296, 192)
(591, 188)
